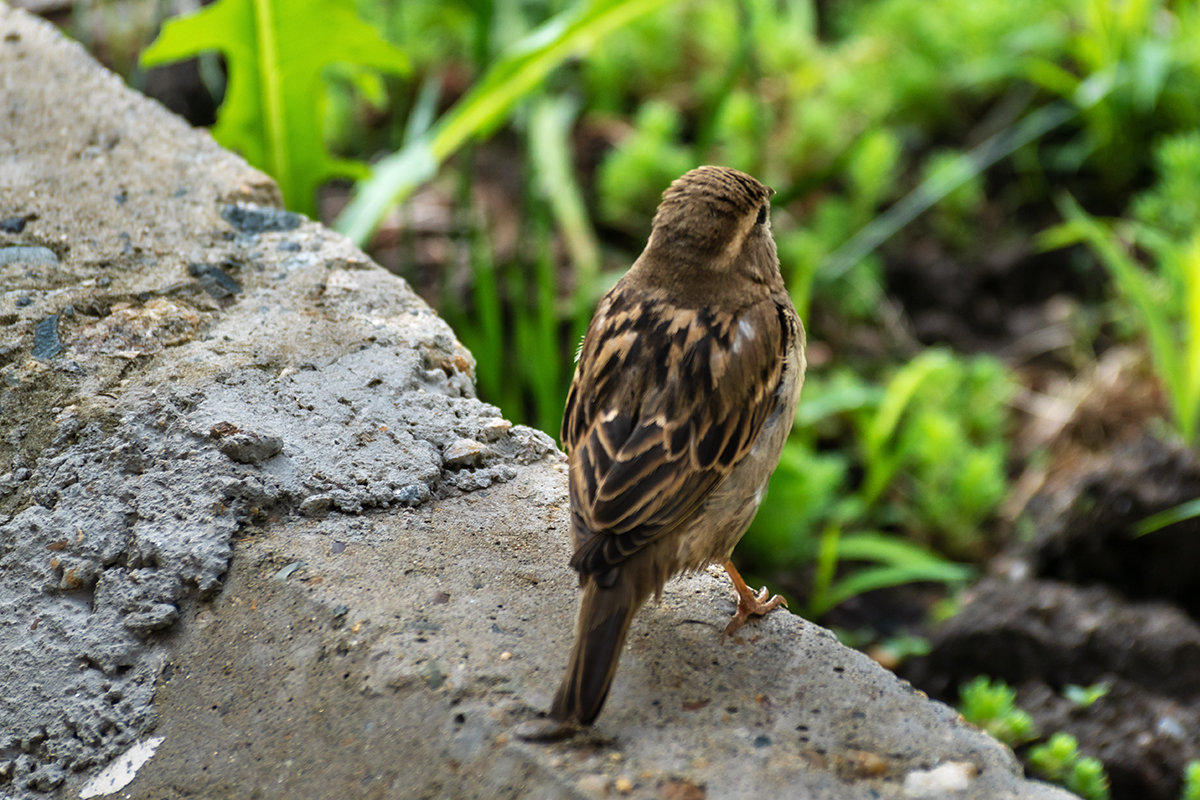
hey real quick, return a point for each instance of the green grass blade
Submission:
(838, 401)
(550, 153)
(827, 560)
(884, 549)
(489, 357)
(884, 577)
(881, 462)
(1188, 410)
(1156, 522)
(544, 354)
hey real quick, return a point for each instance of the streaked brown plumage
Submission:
(684, 393)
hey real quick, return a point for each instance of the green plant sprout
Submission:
(1084, 696)
(1059, 761)
(992, 706)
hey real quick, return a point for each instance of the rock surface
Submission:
(252, 514)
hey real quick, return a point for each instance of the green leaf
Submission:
(1162, 519)
(892, 550)
(550, 153)
(276, 54)
(901, 562)
(881, 429)
(486, 105)
(1084, 696)
(867, 580)
(1191, 781)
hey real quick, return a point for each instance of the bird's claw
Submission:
(751, 604)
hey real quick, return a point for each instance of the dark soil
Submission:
(1086, 601)
(1085, 531)
(1040, 635)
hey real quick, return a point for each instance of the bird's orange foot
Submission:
(749, 603)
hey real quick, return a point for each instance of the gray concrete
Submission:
(250, 509)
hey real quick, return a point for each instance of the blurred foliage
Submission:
(993, 707)
(511, 77)
(1084, 696)
(1058, 760)
(1191, 781)
(924, 453)
(1164, 298)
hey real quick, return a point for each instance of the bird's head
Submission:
(715, 220)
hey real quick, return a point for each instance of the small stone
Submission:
(46, 777)
(623, 785)
(412, 495)
(250, 447)
(77, 575)
(24, 254)
(595, 785)
(953, 776)
(156, 618)
(493, 428)
(464, 453)
(316, 505)
(46, 344)
(289, 570)
(346, 502)
(864, 764)
(222, 429)
(12, 224)
(214, 280)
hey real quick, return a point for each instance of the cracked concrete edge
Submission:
(179, 363)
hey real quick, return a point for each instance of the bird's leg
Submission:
(748, 602)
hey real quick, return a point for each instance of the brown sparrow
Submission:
(685, 390)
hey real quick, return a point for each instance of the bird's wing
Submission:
(665, 402)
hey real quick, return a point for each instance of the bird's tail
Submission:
(604, 618)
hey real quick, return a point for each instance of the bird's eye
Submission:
(762, 215)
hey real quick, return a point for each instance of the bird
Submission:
(685, 389)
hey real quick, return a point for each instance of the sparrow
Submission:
(684, 392)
